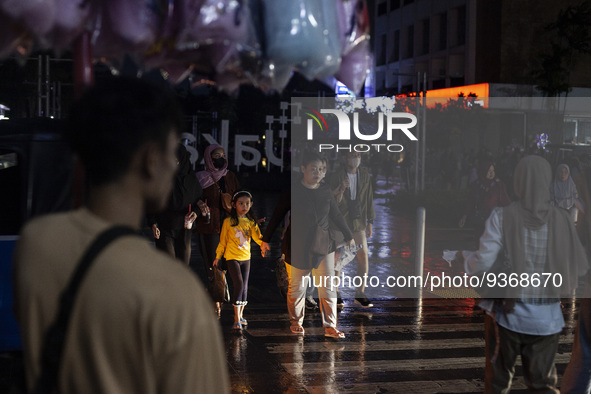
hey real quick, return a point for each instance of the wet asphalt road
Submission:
(401, 345)
(418, 345)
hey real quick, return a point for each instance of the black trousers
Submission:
(208, 244)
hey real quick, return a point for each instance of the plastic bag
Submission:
(127, 26)
(302, 34)
(353, 22)
(211, 21)
(71, 18)
(354, 67)
(344, 256)
(37, 16)
(226, 27)
(163, 53)
(354, 38)
(13, 36)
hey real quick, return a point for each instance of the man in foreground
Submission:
(141, 322)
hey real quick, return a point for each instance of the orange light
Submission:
(481, 90)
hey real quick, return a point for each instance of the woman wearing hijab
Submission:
(563, 192)
(487, 192)
(527, 240)
(168, 227)
(215, 180)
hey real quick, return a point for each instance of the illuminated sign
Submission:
(342, 90)
(480, 90)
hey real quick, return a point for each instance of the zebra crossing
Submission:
(399, 346)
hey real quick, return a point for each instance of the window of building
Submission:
(439, 83)
(584, 131)
(410, 42)
(406, 88)
(425, 32)
(457, 23)
(394, 5)
(576, 130)
(442, 31)
(569, 131)
(382, 8)
(382, 54)
(407, 2)
(380, 83)
(395, 55)
(461, 26)
(457, 81)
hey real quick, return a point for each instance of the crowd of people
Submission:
(530, 236)
(125, 297)
(533, 226)
(93, 270)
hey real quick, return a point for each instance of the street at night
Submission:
(442, 147)
(428, 345)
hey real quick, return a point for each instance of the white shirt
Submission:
(532, 319)
(353, 185)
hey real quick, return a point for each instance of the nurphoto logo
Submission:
(350, 127)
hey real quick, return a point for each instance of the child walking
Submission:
(237, 231)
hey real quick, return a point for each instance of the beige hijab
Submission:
(532, 185)
(565, 254)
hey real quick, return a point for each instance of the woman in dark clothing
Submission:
(487, 192)
(168, 227)
(564, 194)
(279, 214)
(215, 180)
(312, 205)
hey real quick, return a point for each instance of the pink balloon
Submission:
(37, 16)
(354, 67)
(12, 34)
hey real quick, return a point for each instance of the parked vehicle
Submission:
(36, 175)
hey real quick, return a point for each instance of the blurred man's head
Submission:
(125, 125)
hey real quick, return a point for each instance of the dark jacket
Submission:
(282, 208)
(309, 208)
(228, 184)
(364, 198)
(186, 192)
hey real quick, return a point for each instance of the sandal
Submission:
(299, 330)
(332, 332)
(243, 322)
(237, 326)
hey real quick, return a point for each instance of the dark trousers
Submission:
(208, 244)
(537, 356)
(239, 271)
(577, 377)
(177, 244)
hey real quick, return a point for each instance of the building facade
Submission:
(465, 42)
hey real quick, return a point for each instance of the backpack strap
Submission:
(55, 336)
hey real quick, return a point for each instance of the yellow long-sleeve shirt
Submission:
(235, 240)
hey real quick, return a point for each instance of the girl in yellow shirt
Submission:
(237, 231)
